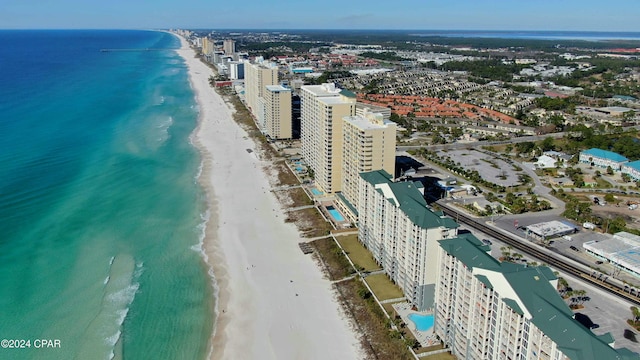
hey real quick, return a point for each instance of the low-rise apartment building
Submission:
(602, 158)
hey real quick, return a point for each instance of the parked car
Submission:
(487, 241)
(574, 248)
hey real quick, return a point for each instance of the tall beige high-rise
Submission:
(369, 143)
(322, 109)
(278, 112)
(256, 78)
(229, 46)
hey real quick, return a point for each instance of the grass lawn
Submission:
(357, 252)
(383, 287)
(441, 356)
(602, 183)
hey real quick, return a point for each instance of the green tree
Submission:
(547, 144)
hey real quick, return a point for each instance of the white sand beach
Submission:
(273, 300)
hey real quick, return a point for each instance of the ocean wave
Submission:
(121, 286)
(164, 129)
(200, 248)
(199, 172)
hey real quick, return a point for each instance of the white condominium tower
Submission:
(492, 310)
(322, 110)
(402, 233)
(278, 112)
(369, 143)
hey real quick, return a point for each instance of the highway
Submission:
(533, 251)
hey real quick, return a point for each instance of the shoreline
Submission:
(272, 301)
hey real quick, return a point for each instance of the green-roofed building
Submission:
(402, 233)
(486, 309)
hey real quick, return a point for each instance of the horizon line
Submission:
(327, 29)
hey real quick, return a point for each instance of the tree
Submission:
(636, 314)
(609, 170)
(563, 286)
(547, 144)
(609, 198)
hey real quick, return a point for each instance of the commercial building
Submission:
(549, 229)
(602, 158)
(322, 109)
(402, 233)
(369, 143)
(622, 250)
(257, 77)
(277, 101)
(632, 169)
(486, 309)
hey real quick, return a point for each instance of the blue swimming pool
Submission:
(335, 213)
(422, 322)
(316, 191)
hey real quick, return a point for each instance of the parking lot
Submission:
(489, 168)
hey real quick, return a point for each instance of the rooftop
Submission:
(634, 165)
(536, 296)
(604, 154)
(407, 197)
(276, 88)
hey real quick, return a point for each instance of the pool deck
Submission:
(426, 338)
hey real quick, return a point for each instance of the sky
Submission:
(569, 15)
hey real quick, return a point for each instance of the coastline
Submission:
(273, 301)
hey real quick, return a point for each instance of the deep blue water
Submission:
(101, 214)
(533, 35)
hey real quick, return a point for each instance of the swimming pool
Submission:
(422, 322)
(316, 191)
(335, 213)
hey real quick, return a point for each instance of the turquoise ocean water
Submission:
(100, 212)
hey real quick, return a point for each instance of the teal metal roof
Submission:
(604, 154)
(347, 93)
(634, 165)
(470, 252)
(549, 312)
(347, 203)
(513, 305)
(485, 280)
(410, 201)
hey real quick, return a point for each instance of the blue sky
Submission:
(594, 15)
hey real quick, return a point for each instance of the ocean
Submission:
(532, 35)
(101, 214)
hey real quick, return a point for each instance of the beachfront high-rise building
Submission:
(256, 77)
(322, 109)
(236, 70)
(207, 48)
(369, 143)
(486, 309)
(278, 112)
(402, 233)
(229, 46)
